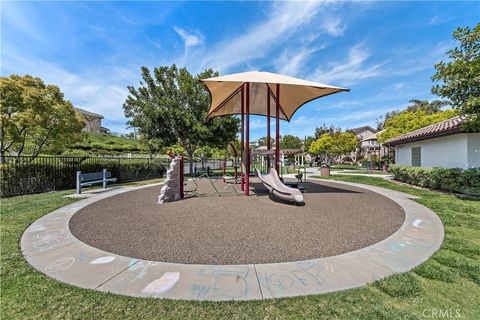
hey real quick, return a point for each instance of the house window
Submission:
(416, 156)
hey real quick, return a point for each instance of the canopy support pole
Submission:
(277, 129)
(268, 128)
(247, 143)
(241, 138)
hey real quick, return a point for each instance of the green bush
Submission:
(449, 179)
(99, 143)
(56, 173)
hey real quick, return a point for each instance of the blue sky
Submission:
(383, 51)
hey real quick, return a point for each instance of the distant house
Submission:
(362, 132)
(368, 141)
(93, 121)
(442, 144)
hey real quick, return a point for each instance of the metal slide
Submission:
(275, 186)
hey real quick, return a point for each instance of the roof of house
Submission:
(371, 136)
(360, 129)
(442, 128)
(88, 113)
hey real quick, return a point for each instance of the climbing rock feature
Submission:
(171, 191)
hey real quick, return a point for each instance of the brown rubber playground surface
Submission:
(232, 229)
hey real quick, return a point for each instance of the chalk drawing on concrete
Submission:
(103, 260)
(162, 284)
(60, 264)
(221, 282)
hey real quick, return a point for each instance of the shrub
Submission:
(56, 173)
(449, 179)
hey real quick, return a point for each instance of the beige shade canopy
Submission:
(225, 92)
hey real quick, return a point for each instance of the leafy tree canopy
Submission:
(35, 118)
(332, 146)
(460, 77)
(308, 142)
(319, 131)
(290, 142)
(407, 121)
(430, 107)
(263, 141)
(171, 106)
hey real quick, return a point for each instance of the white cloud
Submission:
(284, 20)
(257, 123)
(189, 38)
(100, 91)
(334, 26)
(291, 63)
(436, 20)
(350, 71)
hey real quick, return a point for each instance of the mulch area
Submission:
(232, 229)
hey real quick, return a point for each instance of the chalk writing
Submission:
(304, 274)
(60, 264)
(50, 240)
(221, 282)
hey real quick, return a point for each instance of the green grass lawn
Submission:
(449, 282)
(363, 172)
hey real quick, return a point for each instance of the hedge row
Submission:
(453, 179)
(36, 177)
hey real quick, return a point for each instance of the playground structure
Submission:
(254, 93)
(261, 159)
(172, 189)
(276, 187)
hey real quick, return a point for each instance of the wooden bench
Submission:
(89, 179)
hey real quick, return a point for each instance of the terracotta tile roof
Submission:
(443, 128)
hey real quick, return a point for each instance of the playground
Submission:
(253, 234)
(233, 230)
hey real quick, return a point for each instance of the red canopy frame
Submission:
(245, 133)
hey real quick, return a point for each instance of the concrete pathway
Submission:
(49, 247)
(314, 171)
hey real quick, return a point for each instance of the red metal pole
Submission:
(268, 127)
(241, 139)
(277, 128)
(247, 143)
(181, 177)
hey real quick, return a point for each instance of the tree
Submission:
(263, 142)
(152, 145)
(407, 121)
(322, 147)
(171, 106)
(429, 107)
(35, 118)
(459, 78)
(290, 142)
(319, 131)
(343, 143)
(333, 146)
(308, 142)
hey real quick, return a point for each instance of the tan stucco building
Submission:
(93, 121)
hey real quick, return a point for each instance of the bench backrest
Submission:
(94, 176)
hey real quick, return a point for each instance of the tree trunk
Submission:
(190, 161)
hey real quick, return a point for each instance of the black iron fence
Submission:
(24, 175)
(200, 166)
